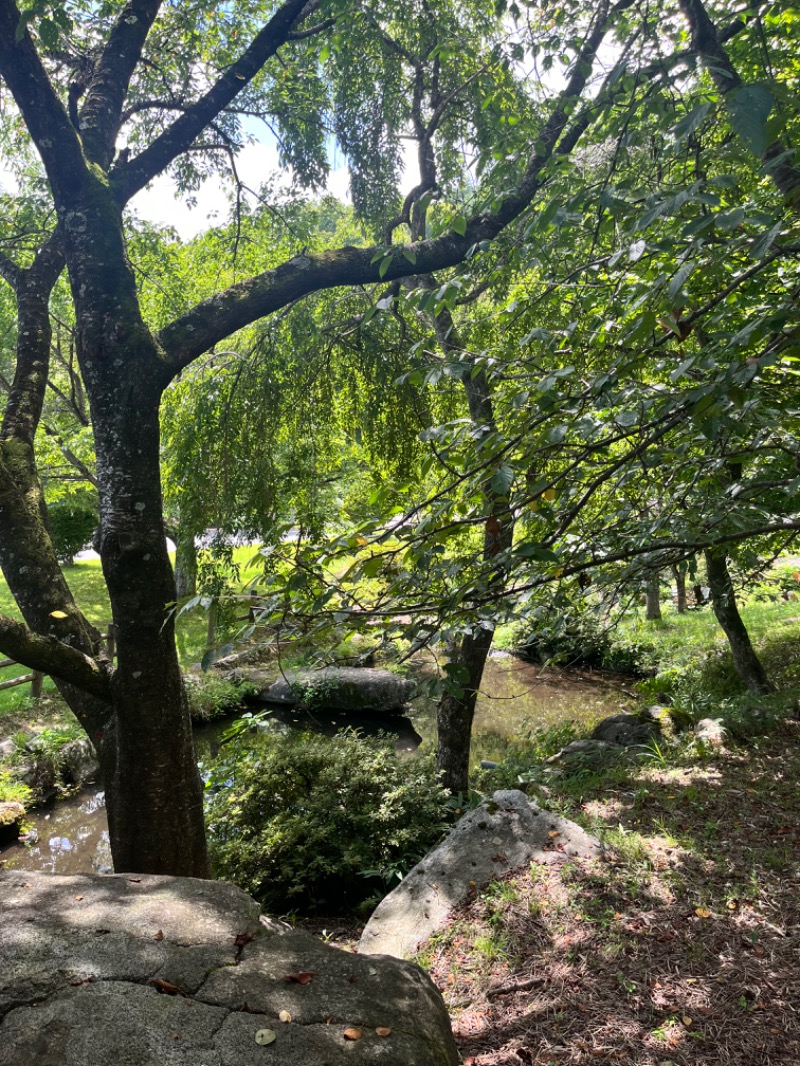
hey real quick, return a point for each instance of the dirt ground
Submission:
(681, 950)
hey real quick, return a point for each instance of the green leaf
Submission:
(676, 285)
(749, 109)
(459, 225)
(386, 262)
(502, 480)
(687, 126)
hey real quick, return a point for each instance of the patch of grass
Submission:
(211, 696)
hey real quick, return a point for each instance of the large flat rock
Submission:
(160, 971)
(502, 834)
(342, 688)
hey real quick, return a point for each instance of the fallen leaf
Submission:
(702, 912)
(159, 935)
(352, 978)
(242, 939)
(284, 1016)
(382, 1030)
(58, 614)
(84, 981)
(687, 1021)
(302, 978)
(136, 880)
(79, 897)
(167, 987)
(499, 858)
(352, 1033)
(266, 1036)
(553, 834)
(372, 971)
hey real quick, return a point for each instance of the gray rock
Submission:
(7, 747)
(39, 773)
(626, 730)
(343, 688)
(502, 834)
(711, 731)
(11, 815)
(162, 971)
(79, 764)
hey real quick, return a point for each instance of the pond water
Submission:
(71, 835)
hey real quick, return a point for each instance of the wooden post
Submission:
(37, 677)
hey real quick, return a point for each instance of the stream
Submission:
(70, 835)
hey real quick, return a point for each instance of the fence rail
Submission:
(36, 678)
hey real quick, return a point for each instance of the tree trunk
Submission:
(723, 601)
(455, 712)
(185, 563)
(156, 809)
(653, 594)
(680, 589)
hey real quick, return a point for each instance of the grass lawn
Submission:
(85, 579)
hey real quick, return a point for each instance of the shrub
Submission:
(310, 822)
(212, 696)
(573, 634)
(72, 526)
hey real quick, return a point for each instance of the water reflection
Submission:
(72, 835)
(68, 837)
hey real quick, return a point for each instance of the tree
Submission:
(79, 99)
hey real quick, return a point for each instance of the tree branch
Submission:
(108, 86)
(134, 175)
(48, 122)
(52, 657)
(707, 45)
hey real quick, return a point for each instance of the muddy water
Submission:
(71, 836)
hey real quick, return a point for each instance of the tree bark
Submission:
(723, 600)
(185, 563)
(455, 712)
(156, 811)
(680, 589)
(653, 594)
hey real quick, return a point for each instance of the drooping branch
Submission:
(52, 657)
(132, 176)
(214, 319)
(102, 108)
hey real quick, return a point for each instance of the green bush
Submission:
(72, 526)
(307, 822)
(573, 634)
(212, 696)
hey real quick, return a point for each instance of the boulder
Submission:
(342, 688)
(711, 731)
(78, 761)
(11, 815)
(580, 753)
(627, 730)
(501, 834)
(166, 971)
